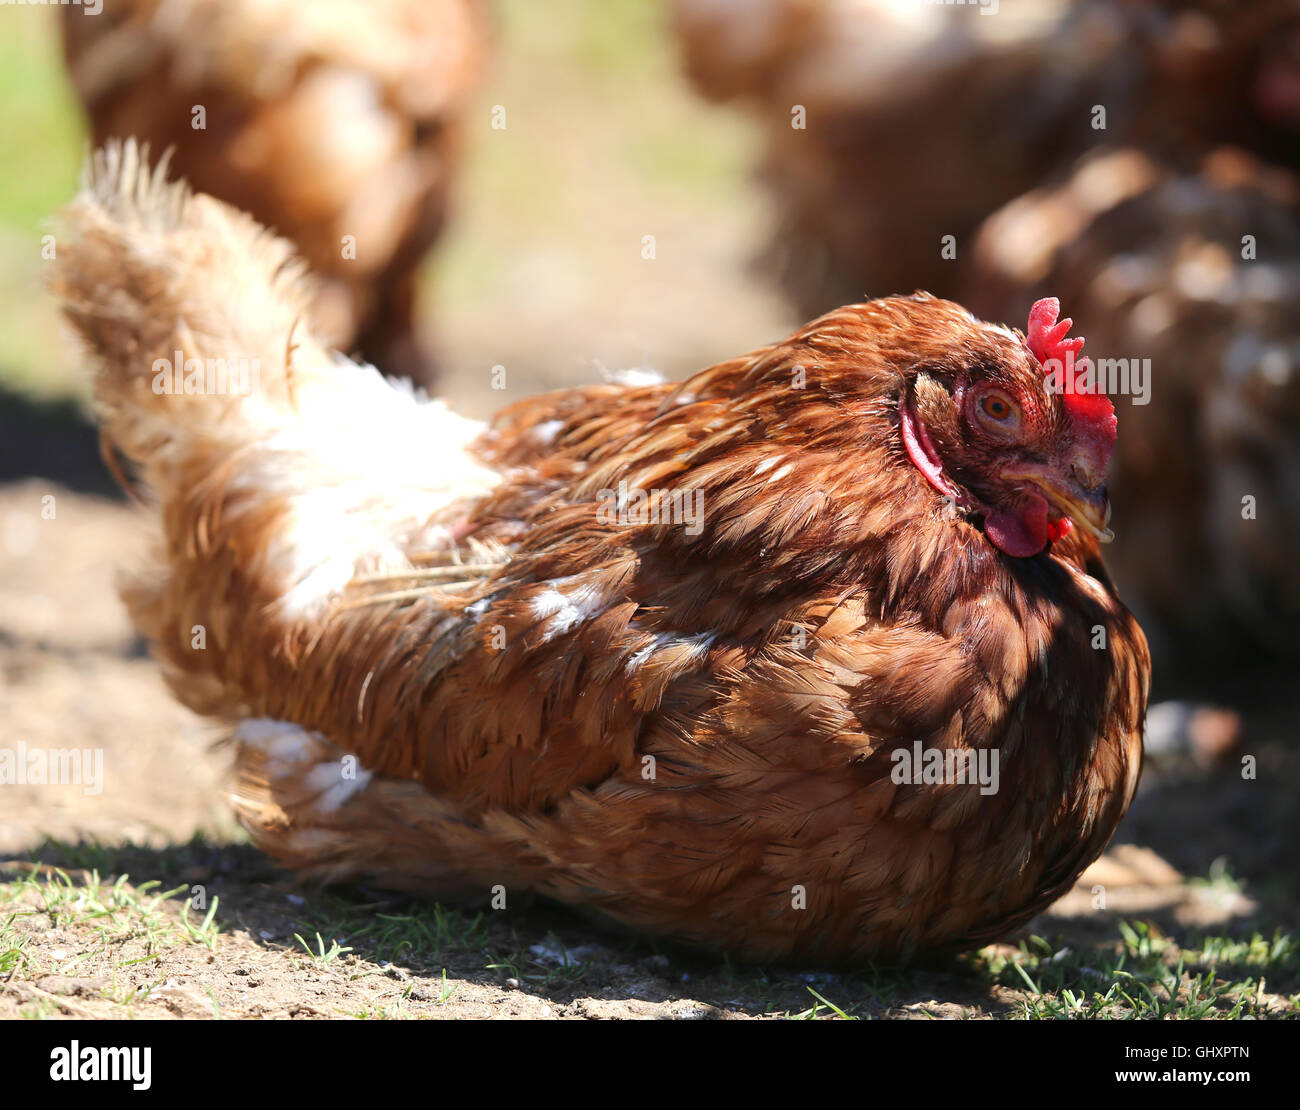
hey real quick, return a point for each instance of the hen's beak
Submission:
(1088, 508)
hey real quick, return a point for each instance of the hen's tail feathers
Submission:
(282, 471)
(179, 297)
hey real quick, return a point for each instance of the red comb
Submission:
(1071, 376)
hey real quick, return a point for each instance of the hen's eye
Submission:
(997, 406)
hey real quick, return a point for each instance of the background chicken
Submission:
(457, 664)
(906, 110)
(335, 123)
(920, 120)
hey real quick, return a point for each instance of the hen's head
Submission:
(1010, 428)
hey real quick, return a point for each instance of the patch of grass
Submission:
(446, 991)
(395, 1012)
(62, 920)
(117, 912)
(1147, 975)
(415, 938)
(205, 932)
(106, 927)
(322, 956)
(40, 1010)
(129, 997)
(819, 1010)
(12, 943)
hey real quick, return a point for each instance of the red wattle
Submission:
(1019, 532)
(1059, 529)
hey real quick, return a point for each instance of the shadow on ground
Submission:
(268, 947)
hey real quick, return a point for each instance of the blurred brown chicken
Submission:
(1199, 273)
(892, 124)
(810, 657)
(335, 123)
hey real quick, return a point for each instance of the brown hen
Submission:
(335, 123)
(684, 656)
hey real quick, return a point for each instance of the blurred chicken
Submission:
(1199, 273)
(662, 652)
(888, 124)
(922, 119)
(335, 123)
